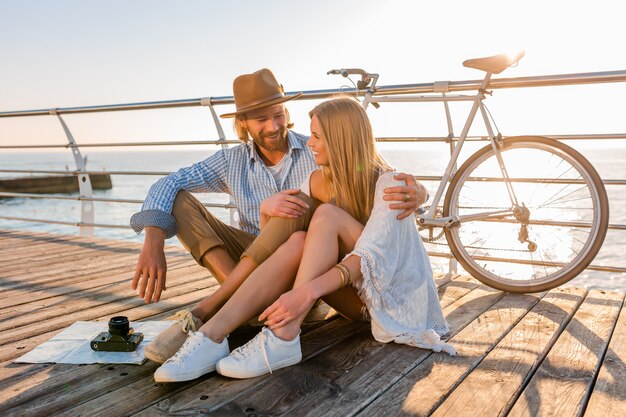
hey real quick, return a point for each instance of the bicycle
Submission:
(522, 214)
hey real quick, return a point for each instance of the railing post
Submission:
(443, 88)
(84, 182)
(206, 101)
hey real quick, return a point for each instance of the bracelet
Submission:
(345, 274)
(342, 274)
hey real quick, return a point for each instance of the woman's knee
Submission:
(324, 213)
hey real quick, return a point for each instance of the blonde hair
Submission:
(354, 162)
(242, 131)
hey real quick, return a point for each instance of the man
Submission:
(262, 175)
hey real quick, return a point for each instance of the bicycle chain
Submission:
(440, 235)
(476, 247)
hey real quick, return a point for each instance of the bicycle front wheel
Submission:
(559, 226)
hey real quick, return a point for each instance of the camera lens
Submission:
(119, 326)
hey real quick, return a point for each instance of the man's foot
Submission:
(196, 357)
(169, 341)
(264, 353)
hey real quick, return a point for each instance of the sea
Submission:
(418, 159)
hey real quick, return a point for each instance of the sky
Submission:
(67, 53)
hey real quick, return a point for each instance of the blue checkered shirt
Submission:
(238, 171)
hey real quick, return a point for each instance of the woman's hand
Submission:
(289, 306)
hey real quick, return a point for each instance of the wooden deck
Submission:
(560, 353)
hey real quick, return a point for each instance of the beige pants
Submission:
(199, 231)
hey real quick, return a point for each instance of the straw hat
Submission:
(257, 90)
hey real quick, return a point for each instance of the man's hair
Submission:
(242, 131)
(354, 162)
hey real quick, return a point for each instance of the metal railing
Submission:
(86, 198)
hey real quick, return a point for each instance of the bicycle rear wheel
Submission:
(562, 231)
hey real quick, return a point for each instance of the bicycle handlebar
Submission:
(366, 77)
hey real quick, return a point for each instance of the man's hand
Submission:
(284, 204)
(151, 266)
(411, 196)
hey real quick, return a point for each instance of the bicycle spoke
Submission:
(566, 195)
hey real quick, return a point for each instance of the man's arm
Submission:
(156, 219)
(409, 197)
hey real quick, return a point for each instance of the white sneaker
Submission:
(264, 353)
(196, 357)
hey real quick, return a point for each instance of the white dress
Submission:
(397, 285)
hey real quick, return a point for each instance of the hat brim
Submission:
(261, 105)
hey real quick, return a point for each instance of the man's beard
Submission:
(272, 144)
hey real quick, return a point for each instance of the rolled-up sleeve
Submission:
(203, 177)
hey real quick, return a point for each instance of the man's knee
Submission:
(182, 203)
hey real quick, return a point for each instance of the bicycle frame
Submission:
(429, 218)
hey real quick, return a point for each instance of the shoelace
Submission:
(187, 347)
(186, 320)
(252, 346)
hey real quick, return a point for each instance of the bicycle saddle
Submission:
(494, 64)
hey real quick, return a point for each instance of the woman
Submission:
(375, 274)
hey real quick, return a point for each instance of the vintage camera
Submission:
(119, 338)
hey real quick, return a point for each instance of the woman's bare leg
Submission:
(332, 234)
(265, 284)
(275, 233)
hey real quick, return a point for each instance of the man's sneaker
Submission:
(167, 343)
(263, 354)
(196, 357)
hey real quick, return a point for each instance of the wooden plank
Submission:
(96, 265)
(82, 283)
(91, 310)
(42, 293)
(56, 253)
(94, 383)
(314, 381)
(75, 387)
(178, 295)
(7, 235)
(213, 393)
(80, 261)
(381, 374)
(493, 386)
(10, 247)
(571, 364)
(18, 378)
(79, 301)
(208, 393)
(608, 398)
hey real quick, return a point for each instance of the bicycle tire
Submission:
(562, 219)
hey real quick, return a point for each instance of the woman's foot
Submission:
(196, 357)
(264, 353)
